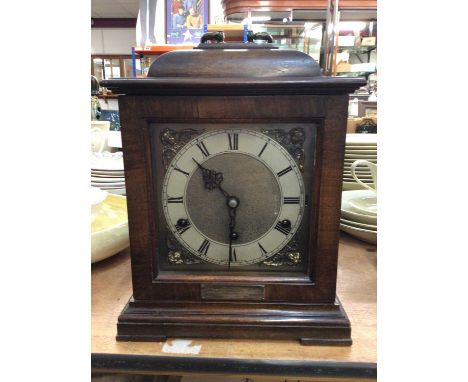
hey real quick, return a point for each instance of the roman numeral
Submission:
(232, 255)
(282, 229)
(285, 171)
(203, 149)
(233, 141)
(181, 171)
(181, 229)
(179, 199)
(291, 200)
(203, 250)
(264, 251)
(262, 150)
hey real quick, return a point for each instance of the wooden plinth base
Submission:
(315, 324)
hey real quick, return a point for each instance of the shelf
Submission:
(353, 74)
(160, 49)
(112, 286)
(355, 49)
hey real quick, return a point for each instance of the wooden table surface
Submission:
(111, 289)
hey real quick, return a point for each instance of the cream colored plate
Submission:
(360, 152)
(365, 204)
(364, 175)
(358, 170)
(350, 213)
(115, 184)
(365, 181)
(107, 179)
(361, 139)
(109, 231)
(351, 161)
(108, 174)
(359, 148)
(107, 161)
(350, 186)
(360, 156)
(363, 234)
(351, 223)
(118, 191)
(360, 166)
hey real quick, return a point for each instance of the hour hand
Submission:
(211, 178)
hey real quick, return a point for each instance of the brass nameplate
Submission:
(233, 292)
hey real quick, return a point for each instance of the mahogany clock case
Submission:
(239, 303)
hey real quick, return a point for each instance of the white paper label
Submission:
(181, 347)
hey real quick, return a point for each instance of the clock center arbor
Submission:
(233, 158)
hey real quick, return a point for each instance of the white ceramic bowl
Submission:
(349, 186)
(109, 231)
(365, 204)
(97, 197)
(363, 234)
(107, 162)
(350, 213)
(351, 223)
(361, 139)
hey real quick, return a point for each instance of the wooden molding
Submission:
(238, 6)
(113, 23)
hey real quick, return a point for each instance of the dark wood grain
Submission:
(305, 307)
(238, 6)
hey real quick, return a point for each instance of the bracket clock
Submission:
(233, 158)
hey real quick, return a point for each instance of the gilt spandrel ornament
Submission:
(177, 254)
(290, 256)
(292, 140)
(173, 141)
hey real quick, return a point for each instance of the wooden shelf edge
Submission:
(129, 363)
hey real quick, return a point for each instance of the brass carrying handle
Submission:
(210, 36)
(265, 36)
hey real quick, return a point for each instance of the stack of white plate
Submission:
(107, 172)
(359, 146)
(359, 214)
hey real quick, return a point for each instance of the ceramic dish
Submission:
(104, 174)
(113, 189)
(360, 156)
(119, 191)
(351, 161)
(97, 198)
(359, 148)
(359, 168)
(365, 204)
(351, 223)
(113, 179)
(361, 139)
(363, 152)
(367, 175)
(363, 234)
(359, 218)
(348, 212)
(109, 231)
(107, 161)
(365, 181)
(119, 184)
(350, 186)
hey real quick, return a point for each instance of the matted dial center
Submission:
(255, 188)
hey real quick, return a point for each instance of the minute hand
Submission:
(232, 203)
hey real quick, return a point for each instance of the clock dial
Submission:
(212, 169)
